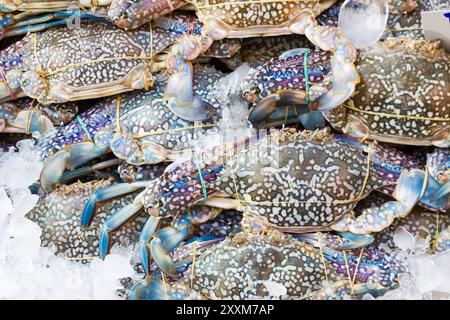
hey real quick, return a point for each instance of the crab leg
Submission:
(116, 221)
(413, 186)
(108, 193)
(164, 241)
(47, 21)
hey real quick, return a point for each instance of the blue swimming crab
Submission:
(293, 182)
(144, 131)
(96, 60)
(403, 96)
(246, 265)
(24, 116)
(222, 19)
(58, 214)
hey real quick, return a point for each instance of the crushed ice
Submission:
(29, 271)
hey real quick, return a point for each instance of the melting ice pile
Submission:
(29, 271)
(430, 278)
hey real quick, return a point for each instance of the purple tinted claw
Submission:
(165, 240)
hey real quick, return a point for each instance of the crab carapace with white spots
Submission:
(95, 60)
(59, 212)
(247, 264)
(258, 51)
(281, 90)
(146, 132)
(24, 116)
(403, 96)
(290, 181)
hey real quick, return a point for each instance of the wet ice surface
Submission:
(371, 17)
(28, 271)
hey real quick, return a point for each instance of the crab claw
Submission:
(154, 289)
(148, 289)
(180, 96)
(137, 152)
(407, 193)
(145, 236)
(442, 192)
(269, 105)
(28, 121)
(345, 79)
(114, 222)
(70, 158)
(164, 241)
(107, 193)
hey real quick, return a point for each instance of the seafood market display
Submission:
(177, 149)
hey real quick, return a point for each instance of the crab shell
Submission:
(241, 266)
(255, 19)
(96, 60)
(141, 114)
(399, 77)
(249, 19)
(294, 183)
(59, 215)
(64, 56)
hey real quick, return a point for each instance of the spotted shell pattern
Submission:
(400, 77)
(59, 216)
(243, 14)
(237, 267)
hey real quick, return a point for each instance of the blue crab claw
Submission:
(53, 170)
(114, 222)
(167, 239)
(107, 193)
(151, 288)
(148, 289)
(442, 192)
(180, 97)
(312, 120)
(345, 79)
(70, 158)
(269, 105)
(147, 232)
(407, 193)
